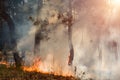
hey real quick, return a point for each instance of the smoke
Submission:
(95, 32)
(54, 51)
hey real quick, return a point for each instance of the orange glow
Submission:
(37, 66)
(47, 68)
(4, 63)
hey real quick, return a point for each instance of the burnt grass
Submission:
(12, 73)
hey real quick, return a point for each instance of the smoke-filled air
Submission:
(69, 38)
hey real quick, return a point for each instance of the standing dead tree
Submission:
(41, 33)
(6, 17)
(38, 32)
(70, 19)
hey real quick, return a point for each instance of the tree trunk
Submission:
(71, 56)
(38, 33)
(18, 60)
(37, 41)
(11, 26)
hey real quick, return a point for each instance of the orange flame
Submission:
(4, 63)
(47, 68)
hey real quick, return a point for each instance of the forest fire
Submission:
(49, 38)
(4, 63)
(37, 66)
(47, 68)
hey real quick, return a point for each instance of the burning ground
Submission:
(12, 73)
(77, 38)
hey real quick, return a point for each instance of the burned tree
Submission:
(41, 33)
(67, 20)
(41, 26)
(38, 32)
(6, 17)
(70, 19)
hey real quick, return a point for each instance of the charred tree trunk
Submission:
(18, 60)
(71, 56)
(70, 18)
(38, 32)
(8, 19)
(41, 33)
(37, 41)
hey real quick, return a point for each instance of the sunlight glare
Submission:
(115, 2)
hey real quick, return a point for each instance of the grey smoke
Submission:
(93, 29)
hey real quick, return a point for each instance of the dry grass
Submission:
(18, 74)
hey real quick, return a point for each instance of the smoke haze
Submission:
(95, 32)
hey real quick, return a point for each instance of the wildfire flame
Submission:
(4, 63)
(47, 68)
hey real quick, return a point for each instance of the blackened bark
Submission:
(8, 19)
(70, 18)
(38, 32)
(37, 41)
(18, 60)
(11, 25)
(41, 33)
(71, 56)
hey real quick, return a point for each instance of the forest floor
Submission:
(12, 73)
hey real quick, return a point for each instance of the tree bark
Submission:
(70, 18)
(38, 32)
(11, 26)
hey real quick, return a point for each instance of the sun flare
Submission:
(115, 2)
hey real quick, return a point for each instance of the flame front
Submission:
(48, 68)
(4, 63)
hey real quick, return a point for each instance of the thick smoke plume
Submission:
(95, 39)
